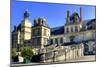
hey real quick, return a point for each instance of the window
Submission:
(56, 41)
(61, 40)
(51, 41)
(45, 33)
(90, 47)
(39, 32)
(45, 41)
(71, 29)
(76, 29)
(67, 29)
(36, 32)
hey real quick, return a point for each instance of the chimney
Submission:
(67, 13)
(81, 14)
(68, 17)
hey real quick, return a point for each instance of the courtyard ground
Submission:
(81, 59)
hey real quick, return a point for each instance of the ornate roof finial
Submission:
(26, 14)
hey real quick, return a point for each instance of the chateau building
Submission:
(21, 36)
(40, 33)
(59, 43)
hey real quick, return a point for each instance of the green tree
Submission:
(72, 38)
(13, 53)
(27, 52)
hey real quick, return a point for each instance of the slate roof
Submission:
(57, 30)
(18, 28)
(91, 24)
(91, 21)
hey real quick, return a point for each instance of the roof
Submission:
(91, 21)
(18, 28)
(57, 30)
(91, 24)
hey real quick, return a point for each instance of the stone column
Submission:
(82, 45)
(54, 54)
(65, 54)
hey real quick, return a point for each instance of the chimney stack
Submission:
(68, 17)
(67, 13)
(81, 14)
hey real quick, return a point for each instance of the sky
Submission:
(55, 14)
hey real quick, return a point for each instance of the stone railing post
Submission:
(43, 57)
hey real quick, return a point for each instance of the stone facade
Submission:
(40, 33)
(79, 37)
(21, 36)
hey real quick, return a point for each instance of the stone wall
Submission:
(67, 52)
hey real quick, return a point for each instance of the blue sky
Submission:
(54, 13)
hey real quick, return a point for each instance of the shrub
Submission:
(27, 52)
(14, 56)
(13, 53)
(72, 38)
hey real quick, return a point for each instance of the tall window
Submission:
(45, 33)
(51, 41)
(45, 41)
(61, 40)
(67, 29)
(56, 41)
(76, 29)
(39, 32)
(71, 29)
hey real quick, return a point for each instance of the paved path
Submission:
(81, 59)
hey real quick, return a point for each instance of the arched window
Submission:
(56, 41)
(71, 29)
(61, 40)
(67, 29)
(76, 29)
